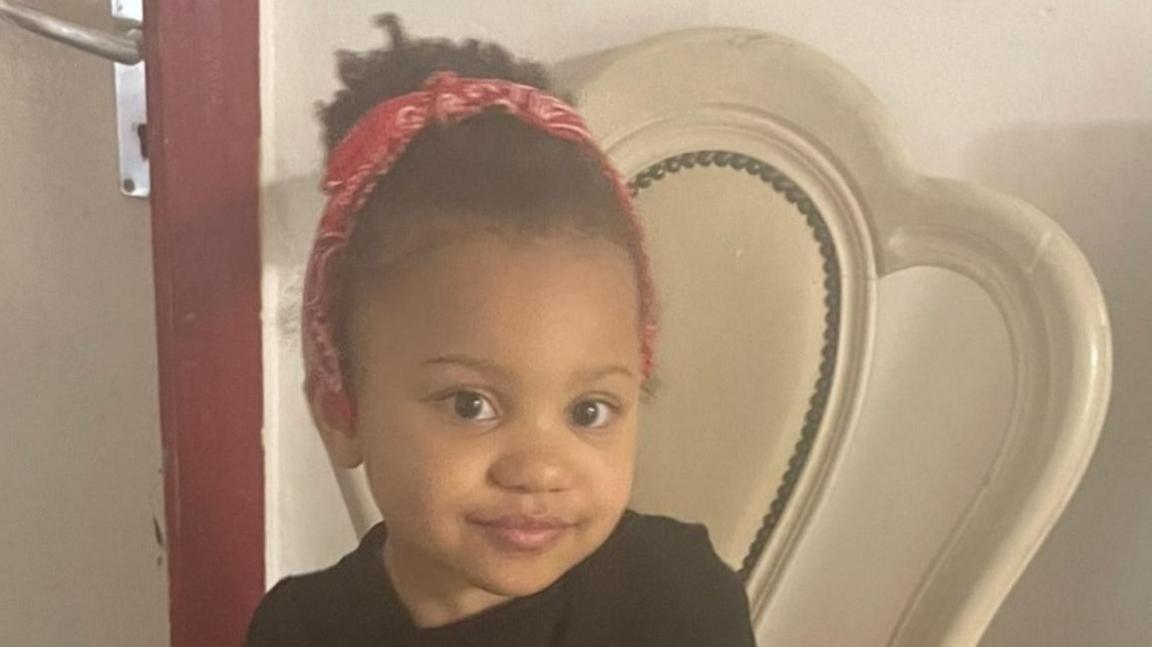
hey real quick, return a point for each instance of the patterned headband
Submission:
(370, 150)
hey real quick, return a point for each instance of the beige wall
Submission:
(1049, 101)
(80, 481)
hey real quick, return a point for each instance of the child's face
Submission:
(498, 390)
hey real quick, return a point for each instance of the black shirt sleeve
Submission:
(703, 601)
(278, 621)
(661, 584)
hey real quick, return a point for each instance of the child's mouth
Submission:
(522, 534)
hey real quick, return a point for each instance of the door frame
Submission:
(203, 75)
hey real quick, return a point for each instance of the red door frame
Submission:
(203, 142)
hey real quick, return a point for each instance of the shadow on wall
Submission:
(292, 209)
(1091, 583)
(308, 525)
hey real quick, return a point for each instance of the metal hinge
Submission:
(125, 49)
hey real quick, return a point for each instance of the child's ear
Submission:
(334, 418)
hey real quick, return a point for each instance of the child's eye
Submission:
(593, 413)
(470, 405)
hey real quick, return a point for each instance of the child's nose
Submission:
(535, 465)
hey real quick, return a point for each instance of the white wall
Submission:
(1049, 101)
(81, 491)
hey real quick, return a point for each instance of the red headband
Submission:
(371, 148)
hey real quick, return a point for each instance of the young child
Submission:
(479, 323)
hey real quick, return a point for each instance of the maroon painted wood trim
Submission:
(203, 141)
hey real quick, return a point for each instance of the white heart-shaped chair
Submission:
(775, 200)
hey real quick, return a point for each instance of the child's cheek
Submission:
(616, 486)
(605, 476)
(428, 461)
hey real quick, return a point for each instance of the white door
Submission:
(81, 488)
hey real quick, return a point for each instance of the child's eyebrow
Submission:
(597, 373)
(477, 363)
(488, 366)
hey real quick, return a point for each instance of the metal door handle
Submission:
(124, 48)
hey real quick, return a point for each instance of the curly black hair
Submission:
(376, 75)
(491, 172)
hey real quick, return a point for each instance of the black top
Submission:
(655, 581)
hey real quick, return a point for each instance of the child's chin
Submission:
(520, 582)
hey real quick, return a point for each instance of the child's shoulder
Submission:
(654, 541)
(283, 617)
(305, 609)
(669, 587)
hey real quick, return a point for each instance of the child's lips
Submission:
(520, 533)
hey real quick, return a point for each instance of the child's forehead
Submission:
(491, 296)
(444, 245)
(474, 273)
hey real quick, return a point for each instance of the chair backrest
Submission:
(776, 201)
